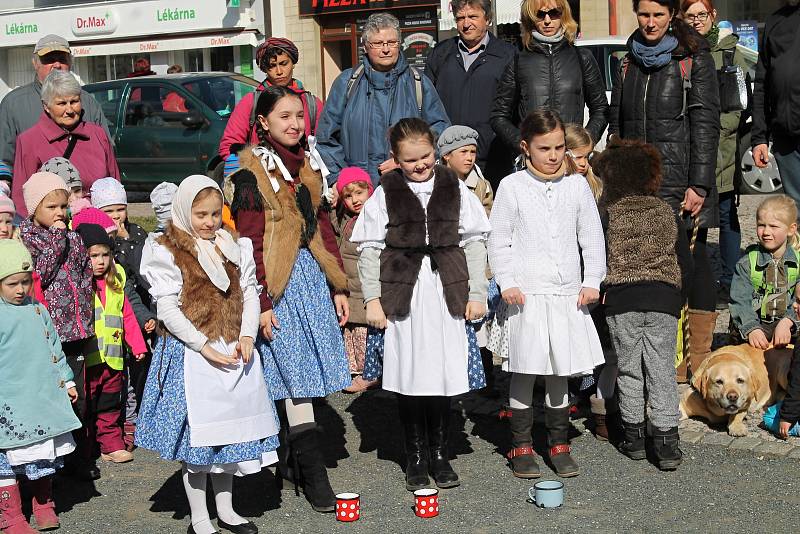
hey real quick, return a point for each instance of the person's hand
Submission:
(121, 231)
(245, 348)
(342, 308)
(783, 332)
(72, 393)
(588, 295)
(692, 202)
(475, 310)
(267, 321)
(61, 225)
(375, 316)
(761, 155)
(149, 326)
(513, 296)
(334, 195)
(388, 165)
(757, 339)
(783, 429)
(139, 357)
(215, 356)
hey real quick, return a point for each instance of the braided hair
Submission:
(265, 103)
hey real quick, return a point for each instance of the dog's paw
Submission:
(737, 429)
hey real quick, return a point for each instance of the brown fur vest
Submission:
(406, 246)
(212, 312)
(284, 226)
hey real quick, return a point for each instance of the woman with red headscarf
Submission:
(276, 57)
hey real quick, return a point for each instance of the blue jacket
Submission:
(355, 133)
(34, 405)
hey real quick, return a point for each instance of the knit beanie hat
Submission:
(455, 137)
(7, 205)
(14, 258)
(161, 199)
(77, 205)
(93, 216)
(108, 192)
(65, 169)
(93, 234)
(5, 171)
(38, 186)
(348, 175)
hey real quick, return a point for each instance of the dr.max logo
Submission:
(19, 29)
(166, 15)
(102, 23)
(91, 22)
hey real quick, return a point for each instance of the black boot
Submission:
(521, 456)
(284, 469)
(665, 448)
(437, 411)
(487, 359)
(412, 416)
(557, 422)
(313, 473)
(633, 445)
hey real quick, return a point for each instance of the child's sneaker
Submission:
(118, 457)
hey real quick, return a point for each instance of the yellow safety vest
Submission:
(106, 346)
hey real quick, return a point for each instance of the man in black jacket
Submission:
(776, 114)
(465, 71)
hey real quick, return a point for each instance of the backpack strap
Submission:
(417, 87)
(311, 104)
(252, 123)
(352, 83)
(685, 65)
(626, 61)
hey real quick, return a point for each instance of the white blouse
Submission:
(537, 229)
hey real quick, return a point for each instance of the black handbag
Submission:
(732, 86)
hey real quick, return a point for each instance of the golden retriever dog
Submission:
(735, 380)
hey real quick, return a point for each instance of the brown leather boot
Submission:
(605, 412)
(701, 329)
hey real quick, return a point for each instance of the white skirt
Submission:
(425, 352)
(548, 335)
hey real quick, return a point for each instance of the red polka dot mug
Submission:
(348, 507)
(426, 502)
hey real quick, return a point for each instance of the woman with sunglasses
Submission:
(550, 72)
(666, 93)
(702, 16)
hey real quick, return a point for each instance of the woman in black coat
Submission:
(666, 93)
(550, 72)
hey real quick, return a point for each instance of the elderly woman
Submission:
(276, 57)
(366, 100)
(550, 72)
(62, 132)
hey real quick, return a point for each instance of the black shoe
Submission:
(437, 412)
(633, 444)
(667, 454)
(313, 473)
(244, 528)
(191, 530)
(723, 296)
(557, 423)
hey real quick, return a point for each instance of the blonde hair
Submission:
(527, 18)
(113, 277)
(785, 209)
(577, 137)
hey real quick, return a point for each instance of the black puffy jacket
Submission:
(647, 104)
(561, 77)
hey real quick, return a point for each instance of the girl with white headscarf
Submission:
(206, 401)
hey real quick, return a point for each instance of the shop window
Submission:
(156, 106)
(193, 61)
(122, 64)
(97, 69)
(109, 100)
(222, 59)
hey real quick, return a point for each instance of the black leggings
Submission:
(702, 293)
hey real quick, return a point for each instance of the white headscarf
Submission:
(209, 259)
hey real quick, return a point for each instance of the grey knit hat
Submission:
(65, 169)
(455, 137)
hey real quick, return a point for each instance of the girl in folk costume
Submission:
(423, 271)
(35, 394)
(114, 323)
(544, 222)
(278, 203)
(206, 402)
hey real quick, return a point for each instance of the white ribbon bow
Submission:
(270, 161)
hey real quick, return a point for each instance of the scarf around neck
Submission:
(562, 171)
(653, 56)
(557, 38)
(293, 157)
(713, 36)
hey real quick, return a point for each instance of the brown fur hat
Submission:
(628, 167)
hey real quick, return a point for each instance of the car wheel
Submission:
(759, 181)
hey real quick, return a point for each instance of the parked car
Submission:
(609, 52)
(168, 127)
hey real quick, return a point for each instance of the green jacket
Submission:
(729, 122)
(34, 405)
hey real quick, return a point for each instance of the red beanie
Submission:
(94, 216)
(348, 175)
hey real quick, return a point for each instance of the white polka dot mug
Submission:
(348, 507)
(426, 502)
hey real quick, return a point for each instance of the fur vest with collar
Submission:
(215, 313)
(285, 226)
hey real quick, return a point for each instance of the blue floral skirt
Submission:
(163, 424)
(33, 470)
(373, 360)
(307, 356)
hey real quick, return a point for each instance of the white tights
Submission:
(195, 486)
(521, 391)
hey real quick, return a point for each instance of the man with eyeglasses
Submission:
(22, 107)
(365, 101)
(465, 70)
(776, 114)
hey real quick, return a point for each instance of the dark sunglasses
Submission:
(554, 13)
